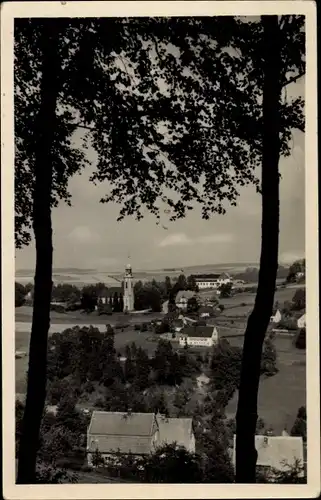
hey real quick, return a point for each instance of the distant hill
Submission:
(80, 277)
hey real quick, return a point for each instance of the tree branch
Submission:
(125, 66)
(293, 79)
(156, 45)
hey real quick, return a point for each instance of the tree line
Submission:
(80, 357)
(147, 295)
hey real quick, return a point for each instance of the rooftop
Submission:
(198, 331)
(277, 451)
(204, 277)
(133, 433)
(173, 430)
(121, 423)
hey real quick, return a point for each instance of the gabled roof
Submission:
(198, 331)
(206, 277)
(172, 430)
(121, 423)
(110, 432)
(276, 451)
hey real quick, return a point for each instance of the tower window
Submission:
(126, 285)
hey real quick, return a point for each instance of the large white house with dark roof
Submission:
(136, 433)
(207, 281)
(198, 335)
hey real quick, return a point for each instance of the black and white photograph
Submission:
(160, 263)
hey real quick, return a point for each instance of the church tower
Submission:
(128, 289)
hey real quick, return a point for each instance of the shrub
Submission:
(57, 308)
(300, 342)
(99, 403)
(20, 293)
(288, 324)
(86, 468)
(298, 300)
(268, 361)
(226, 368)
(300, 425)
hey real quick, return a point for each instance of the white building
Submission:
(207, 281)
(276, 317)
(301, 322)
(197, 335)
(276, 452)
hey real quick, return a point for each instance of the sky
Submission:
(87, 235)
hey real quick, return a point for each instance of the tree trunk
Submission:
(246, 417)
(44, 134)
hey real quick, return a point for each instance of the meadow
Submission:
(279, 396)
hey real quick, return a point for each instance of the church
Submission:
(128, 293)
(124, 289)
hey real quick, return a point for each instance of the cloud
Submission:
(182, 239)
(83, 234)
(175, 239)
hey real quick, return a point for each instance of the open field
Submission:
(24, 315)
(280, 396)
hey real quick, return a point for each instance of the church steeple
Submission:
(128, 289)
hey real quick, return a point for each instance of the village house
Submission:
(165, 307)
(182, 298)
(299, 275)
(277, 452)
(276, 317)
(205, 281)
(106, 294)
(205, 311)
(198, 335)
(301, 322)
(138, 434)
